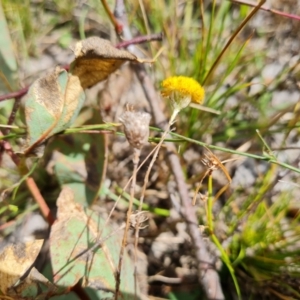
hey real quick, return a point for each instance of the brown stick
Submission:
(208, 276)
(141, 39)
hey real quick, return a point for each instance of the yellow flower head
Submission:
(183, 87)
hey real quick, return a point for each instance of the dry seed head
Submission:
(139, 218)
(211, 162)
(136, 127)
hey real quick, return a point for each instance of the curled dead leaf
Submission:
(96, 59)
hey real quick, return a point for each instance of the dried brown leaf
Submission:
(15, 260)
(96, 59)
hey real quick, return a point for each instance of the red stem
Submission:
(140, 40)
(33, 188)
(16, 94)
(266, 8)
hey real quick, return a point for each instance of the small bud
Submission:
(136, 127)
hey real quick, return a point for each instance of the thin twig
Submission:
(207, 274)
(141, 39)
(123, 190)
(96, 131)
(16, 94)
(266, 8)
(135, 160)
(12, 116)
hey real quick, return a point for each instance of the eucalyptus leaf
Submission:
(35, 286)
(51, 105)
(77, 161)
(76, 257)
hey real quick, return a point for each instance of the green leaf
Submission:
(35, 286)
(71, 237)
(51, 106)
(78, 162)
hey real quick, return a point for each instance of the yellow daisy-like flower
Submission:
(183, 87)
